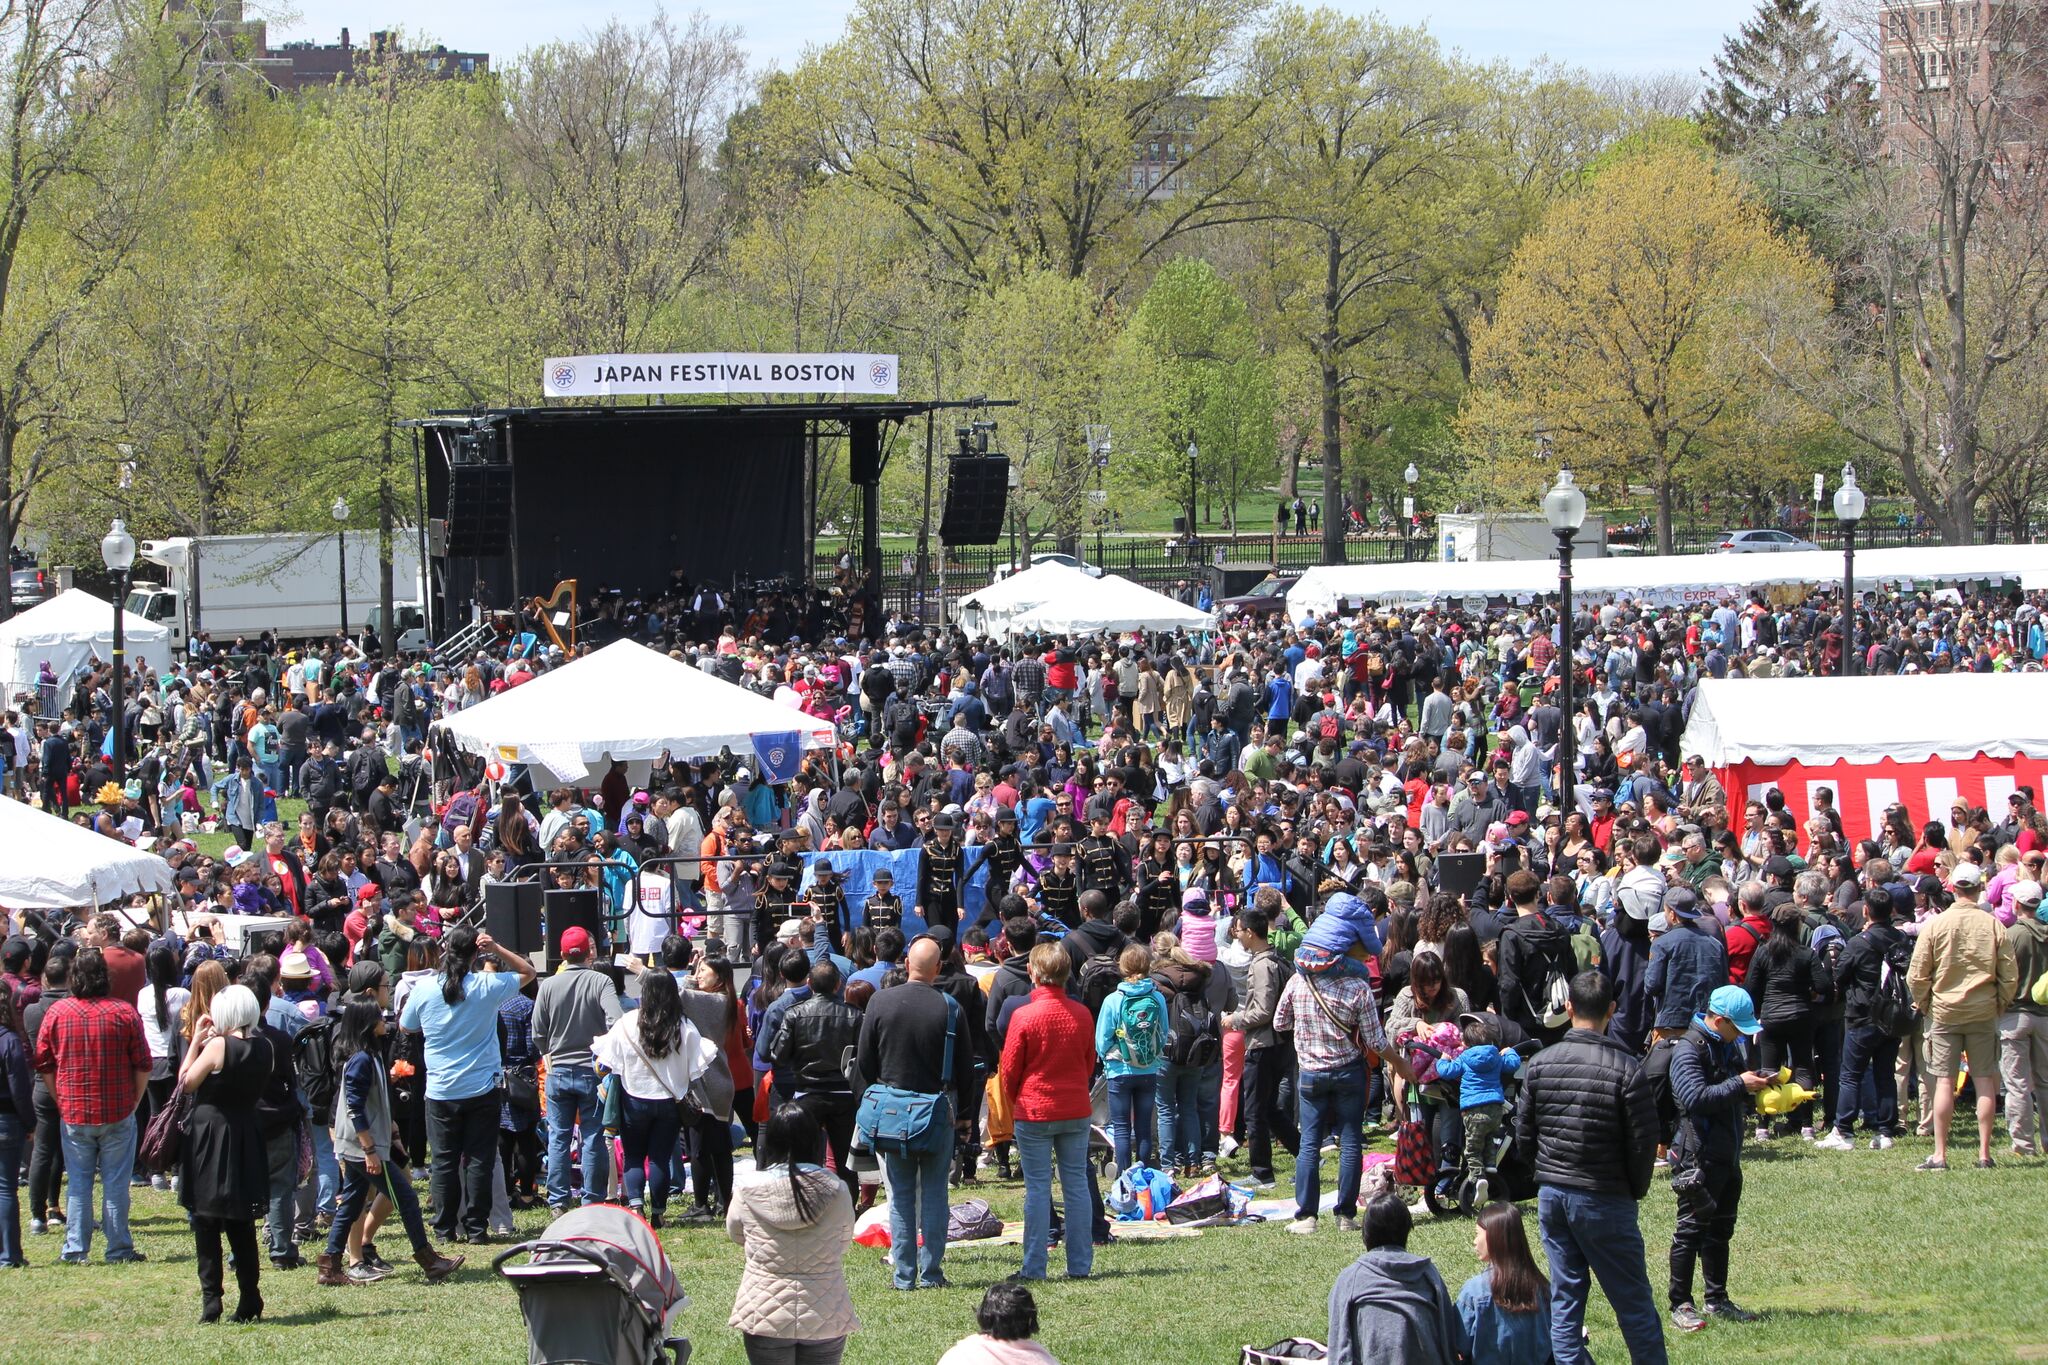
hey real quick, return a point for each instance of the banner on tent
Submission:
(1862, 791)
(779, 754)
(831, 372)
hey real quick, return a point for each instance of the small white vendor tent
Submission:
(987, 611)
(51, 864)
(1110, 604)
(628, 703)
(67, 631)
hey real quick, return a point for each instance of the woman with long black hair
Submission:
(656, 1054)
(458, 1025)
(161, 1004)
(17, 1122)
(794, 1220)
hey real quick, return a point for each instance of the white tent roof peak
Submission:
(628, 703)
(1111, 603)
(52, 864)
(1908, 718)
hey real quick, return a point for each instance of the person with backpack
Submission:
(1822, 931)
(2023, 1031)
(1095, 945)
(1130, 1040)
(1712, 1091)
(1197, 996)
(1784, 984)
(911, 1040)
(1537, 964)
(1877, 1014)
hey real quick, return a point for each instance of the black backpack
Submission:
(313, 1063)
(1892, 1011)
(1099, 977)
(1194, 1036)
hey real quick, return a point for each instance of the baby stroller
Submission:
(1510, 1173)
(596, 1289)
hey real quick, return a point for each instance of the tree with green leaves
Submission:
(387, 284)
(1364, 120)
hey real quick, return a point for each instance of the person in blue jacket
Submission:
(1712, 1091)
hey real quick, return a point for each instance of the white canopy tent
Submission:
(988, 610)
(70, 629)
(1908, 718)
(52, 864)
(1111, 603)
(1663, 580)
(626, 703)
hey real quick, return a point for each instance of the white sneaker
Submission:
(1806, 1133)
(1880, 1143)
(1835, 1142)
(1763, 1134)
(1226, 1147)
(1480, 1193)
(160, 1182)
(1303, 1227)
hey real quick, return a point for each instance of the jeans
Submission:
(359, 1189)
(1180, 1115)
(44, 1164)
(2023, 1057)
(108, 1151)
(1866, 1049)
(1264, 1116)
(1827, 1059)
(1041, 1147)
(282, 1152)
(1331, 1102)
(572, 1102)
(1597, 1233)
(1706, 1225)
(464, 1136)
(917, 1203)
(789, 1351)
(13, 1137)
(1130, 1117)
(650, 1131)
(319, 1194)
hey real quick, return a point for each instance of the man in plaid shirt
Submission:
(92, 1048)
(1335, 1021)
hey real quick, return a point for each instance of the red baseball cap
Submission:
(575, 939)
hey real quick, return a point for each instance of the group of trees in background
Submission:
(1286, 238)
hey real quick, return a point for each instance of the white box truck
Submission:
(1465, 538)
(289, 583)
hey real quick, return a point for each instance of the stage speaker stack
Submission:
(512, 915)
(479, 510)
(977, 499)
(572, 908)
(864, 450)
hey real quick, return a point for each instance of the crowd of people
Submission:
(1214, 896)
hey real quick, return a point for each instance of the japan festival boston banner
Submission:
(824, 372)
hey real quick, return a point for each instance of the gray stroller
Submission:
(596, 1289)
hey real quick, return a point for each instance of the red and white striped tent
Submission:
(1927, 740)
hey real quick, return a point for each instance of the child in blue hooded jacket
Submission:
(1341, 940)
(1479, 1070)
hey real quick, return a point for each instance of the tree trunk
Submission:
(388, 632)
(1665, 530)
(1333, 396)
(7, 516)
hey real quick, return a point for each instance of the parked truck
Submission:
(289, 583)
(1464, 538)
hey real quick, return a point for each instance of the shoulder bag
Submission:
(686, 1108)
(895, 1122)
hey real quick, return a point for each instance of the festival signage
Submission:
(826, 372)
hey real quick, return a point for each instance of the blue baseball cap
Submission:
(1733, 1004)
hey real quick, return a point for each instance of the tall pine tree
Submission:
(1782, 66)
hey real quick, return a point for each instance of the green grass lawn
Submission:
(1849, 1257)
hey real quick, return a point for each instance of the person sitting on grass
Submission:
(1391, 1304)
(1505, 1308)
(1008, 1318)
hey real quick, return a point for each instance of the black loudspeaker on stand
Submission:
(512, 915)
(572, 908)
(977, 498)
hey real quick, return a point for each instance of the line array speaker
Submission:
(977, 498)
(479, 510)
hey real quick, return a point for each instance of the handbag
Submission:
(611, 1103)
(896, 1122)
(164, 1141)
(522, 1087)
(1414, 1154)
(686, 1109)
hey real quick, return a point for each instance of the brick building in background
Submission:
(230, 42)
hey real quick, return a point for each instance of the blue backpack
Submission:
(1141, 1032)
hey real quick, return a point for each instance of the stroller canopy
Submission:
(628, 1247)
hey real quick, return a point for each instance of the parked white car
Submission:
(1092, 570)
(1761, 542)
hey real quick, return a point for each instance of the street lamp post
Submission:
(340, 511)
(1194, 454)
(117, 548)
(1564, 506)
(1410, 476)
(1849, 511)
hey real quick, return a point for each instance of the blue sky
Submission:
(1601, 35)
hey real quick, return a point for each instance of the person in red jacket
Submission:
(1048, 1055)
(1747, 934)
